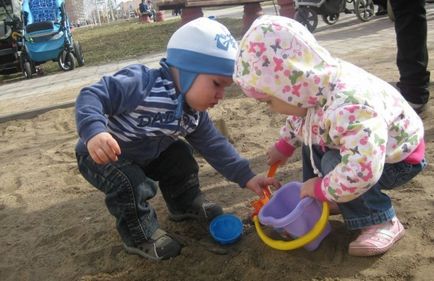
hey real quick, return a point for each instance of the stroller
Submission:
(307, 11)
(47, 36)
(10, 36)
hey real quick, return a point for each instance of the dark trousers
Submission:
(380, 3)
(412, 56)
(128, 187)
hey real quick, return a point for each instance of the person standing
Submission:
(412, 54)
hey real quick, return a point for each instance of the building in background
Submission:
(83, 12)
(129, 9)
(76, 11)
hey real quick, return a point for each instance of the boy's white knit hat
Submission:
(201, 46)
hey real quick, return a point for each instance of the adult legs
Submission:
(382, 7)
(412, 55)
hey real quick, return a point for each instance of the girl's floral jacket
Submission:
(349, 109)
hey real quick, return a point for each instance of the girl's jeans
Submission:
(128, 187)
(372, 207)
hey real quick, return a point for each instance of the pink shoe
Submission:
(377, 239)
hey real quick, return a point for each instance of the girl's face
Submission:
(279, 106)
(206, 91)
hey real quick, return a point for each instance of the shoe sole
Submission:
(135, 251)
(366, 252)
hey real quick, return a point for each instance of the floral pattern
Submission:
(363, 117)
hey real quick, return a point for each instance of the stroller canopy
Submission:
(41, 11)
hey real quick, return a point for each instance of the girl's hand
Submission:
(258, 183)
(308, 188)
(274, 155)
(103, 148)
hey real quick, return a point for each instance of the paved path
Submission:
(347, 37)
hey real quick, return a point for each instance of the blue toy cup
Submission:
(226, 229)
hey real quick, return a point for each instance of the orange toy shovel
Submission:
(257, 204)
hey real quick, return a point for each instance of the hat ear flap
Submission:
(186, 79)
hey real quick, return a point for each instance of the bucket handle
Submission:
(316, 230)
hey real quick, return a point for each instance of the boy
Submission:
(130, 126)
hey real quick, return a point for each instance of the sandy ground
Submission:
(54, 225)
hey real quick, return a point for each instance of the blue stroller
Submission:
(47, 36)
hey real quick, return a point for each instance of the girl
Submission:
(358, 134)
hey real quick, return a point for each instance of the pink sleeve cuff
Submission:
(318, 191)
(284, 147)
(417, 155)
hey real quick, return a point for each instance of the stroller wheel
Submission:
(364, 9)
(26, 65)
(27, 70)
(307, 17)
(78, 53)
(330, 19)
(66, 61)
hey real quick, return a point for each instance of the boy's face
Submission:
(279, 106)
(206, 91)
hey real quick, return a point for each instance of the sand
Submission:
(55, 226)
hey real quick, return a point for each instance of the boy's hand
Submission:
(274, 155)
(308, 188)
(258, 183)
(103, 148)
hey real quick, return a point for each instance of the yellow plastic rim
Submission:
(316, 230)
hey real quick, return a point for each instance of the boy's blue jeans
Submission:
(372, 207)
(128, 187)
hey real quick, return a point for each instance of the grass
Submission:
(118, 41)
(126, 40)
(129, 39)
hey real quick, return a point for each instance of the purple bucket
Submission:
(288, 213)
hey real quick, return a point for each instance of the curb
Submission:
(29, 114)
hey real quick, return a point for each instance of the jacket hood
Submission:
(280, 57)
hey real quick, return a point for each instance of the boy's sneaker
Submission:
(160, 247)
(200, 209)
(377, 239)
